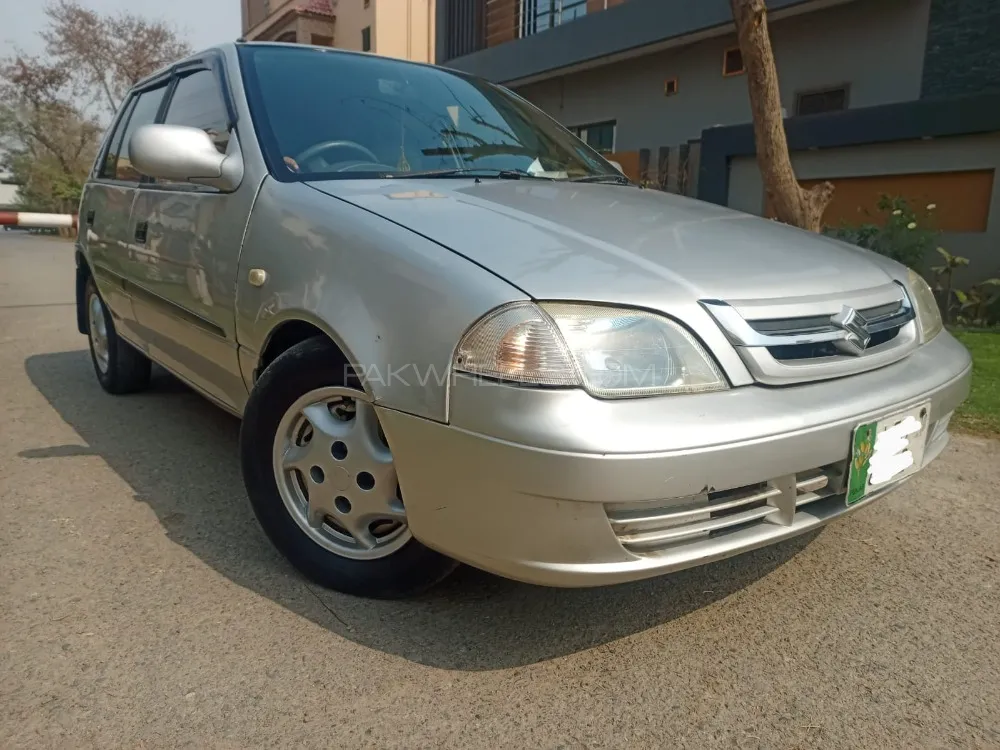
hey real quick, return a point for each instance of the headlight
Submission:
(612, 352)
(926, 307)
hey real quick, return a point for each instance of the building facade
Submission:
(393, 28)
(657, 71)
(872, 90)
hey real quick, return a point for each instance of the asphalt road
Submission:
(142, 607)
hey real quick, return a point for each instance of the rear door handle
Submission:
(90, 217)
(140, 232)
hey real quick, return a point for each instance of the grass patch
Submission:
(981, 412)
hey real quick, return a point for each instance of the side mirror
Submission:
(616, 165)
(177, 152)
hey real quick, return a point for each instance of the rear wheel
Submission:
(120, 367)
(322, 481)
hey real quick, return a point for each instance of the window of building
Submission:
(144, 113)
(319, 40)
(366, 39)
(600, 136)
(818, 102)
(670, 87)
(197, 102)
(540, 15)
(732, 62)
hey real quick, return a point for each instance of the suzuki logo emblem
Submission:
(856, 328)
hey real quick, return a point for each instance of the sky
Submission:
(201, 22)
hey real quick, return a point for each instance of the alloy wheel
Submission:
(98, 331)
(336, 476)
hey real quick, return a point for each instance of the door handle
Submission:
(90, 217)
(141, 228)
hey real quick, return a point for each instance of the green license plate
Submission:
(886, 451)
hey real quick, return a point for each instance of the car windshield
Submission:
(326, 114)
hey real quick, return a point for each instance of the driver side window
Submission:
(197, 102)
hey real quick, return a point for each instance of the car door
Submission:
(190, 238)
(106, 208)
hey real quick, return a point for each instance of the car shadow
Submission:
(179, 454)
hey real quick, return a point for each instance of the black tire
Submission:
(313, 364)
(128, 369)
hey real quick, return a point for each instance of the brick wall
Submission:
(306, 27)
(595, 5)
(502, 19)
(256, 12)
(963, 48)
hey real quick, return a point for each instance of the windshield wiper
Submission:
(500, 174)
(616, 179)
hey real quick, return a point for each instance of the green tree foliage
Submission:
(49, 143)
(49, 132)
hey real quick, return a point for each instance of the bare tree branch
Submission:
(111, 53)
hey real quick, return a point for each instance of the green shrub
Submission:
(979, 305)
(898, 232)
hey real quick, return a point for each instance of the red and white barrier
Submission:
(37, 221)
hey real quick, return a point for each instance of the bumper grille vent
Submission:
(644, 530)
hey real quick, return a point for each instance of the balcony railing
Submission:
(541, 15)
(275, 9)
(475, 24)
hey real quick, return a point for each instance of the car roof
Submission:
(194, 57)
(225, 47)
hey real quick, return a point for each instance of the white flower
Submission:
(898, 212)
(912, 225)
(931, 206)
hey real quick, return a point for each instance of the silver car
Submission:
(455, 333)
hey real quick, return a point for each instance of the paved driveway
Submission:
(142, 606)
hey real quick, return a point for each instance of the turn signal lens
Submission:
(926, 307)
(517, 342)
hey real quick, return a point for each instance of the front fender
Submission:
(395, 302)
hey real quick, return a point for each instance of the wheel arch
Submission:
(295, 328)
(83, 273)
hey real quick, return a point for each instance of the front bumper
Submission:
(557, 488)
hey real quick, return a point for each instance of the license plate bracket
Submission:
(886, 450)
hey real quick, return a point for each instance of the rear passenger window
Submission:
(115, 143)
(197, 103)
(144, 113)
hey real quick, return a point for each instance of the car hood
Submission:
(614, 243)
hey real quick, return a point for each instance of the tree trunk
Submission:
(792, 204)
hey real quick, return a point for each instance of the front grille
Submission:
(799, 340)
(885, 321)
(817, 323)
(651, 528)
(826, 348)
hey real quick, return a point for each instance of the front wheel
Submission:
(322, 481)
